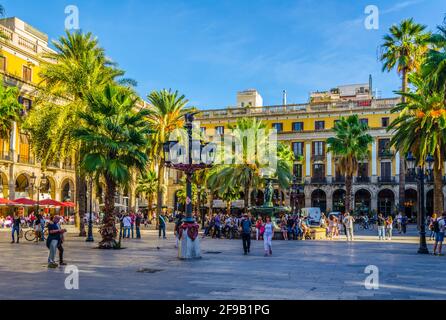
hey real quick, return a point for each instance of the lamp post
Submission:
(294, 193)
(420, 175)
(43, 182)
(199, 156)
(90, 218)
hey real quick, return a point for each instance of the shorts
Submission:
(439, 237)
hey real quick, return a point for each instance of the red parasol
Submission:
(24, 202)
(69, 204)
(5, 202)
(50, 202)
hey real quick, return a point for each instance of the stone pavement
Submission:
(149, 269)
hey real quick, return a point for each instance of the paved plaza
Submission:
(149, 269)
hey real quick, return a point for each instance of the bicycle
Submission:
(31, 235)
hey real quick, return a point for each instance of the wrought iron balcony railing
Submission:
(363, 179)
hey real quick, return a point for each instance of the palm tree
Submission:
(78, 67)
(165, 115)
(10, 109)
(421, 129)
(114, 138)
(434, 68)
(148, 186)
(350, 145)
(403, 49)
(247, 171)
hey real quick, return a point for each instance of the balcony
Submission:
(385, 154)
(386, 180)
(410, 178)
(318, 180)
(4, 155)
(54, 165)
(339, 180)
(25, 159)
(317, 157)
(362, 180)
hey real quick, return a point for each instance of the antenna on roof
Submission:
(370, 84)
(284, 96)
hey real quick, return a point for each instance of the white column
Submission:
(308, 159)
(397, 163)
(329, 164)
(374, 159)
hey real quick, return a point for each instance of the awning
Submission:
(24, 202)
(50, 203)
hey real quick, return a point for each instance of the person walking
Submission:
(389, 227)
(162, 226)
(127, 224)
(16, 221)
(138, 220)
(404, 222)
(53, 242)
(268, 236)
(439, 228)
(246, 233)
(399, 221)
(132, 223)
(348, 225)
(259, 224)
(431, 226)
(381, 223)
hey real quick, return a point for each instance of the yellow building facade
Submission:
(306, 128)
(21, 54)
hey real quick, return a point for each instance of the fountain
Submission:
(268, 208)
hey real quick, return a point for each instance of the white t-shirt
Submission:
(348, 221)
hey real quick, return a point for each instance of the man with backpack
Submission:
(246, 233)
(439, 228)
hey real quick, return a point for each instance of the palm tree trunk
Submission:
(246, 198)
(402, 173)
(108, 229)
(348, 192)
(159, 207)
(81, 196)
(438, 187)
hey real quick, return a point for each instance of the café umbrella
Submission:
(24, 202)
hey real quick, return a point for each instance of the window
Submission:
(27, 74)
(298, 149)
(2, 63)
(364, 121)
(363, 170)
(384, 146)
(318, 148)
(278, 127)
(318, 171)
(386, 169)
(220, 130)
(27, 103)
(384, 122)
(319, 125)
(297, 170)
(298, 126)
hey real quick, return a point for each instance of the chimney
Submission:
(284, 102)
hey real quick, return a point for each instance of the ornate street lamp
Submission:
(424, 170)
(90, 218)
(199, 156)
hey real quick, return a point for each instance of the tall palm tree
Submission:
(10, 109)
(114, 138)
(78, 67)
(148, 186)
(421, 129)
(350, 145)
(403, 49)
(246, 170)
(434, 68)
(165, 115)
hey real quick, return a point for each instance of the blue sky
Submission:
(210, 49)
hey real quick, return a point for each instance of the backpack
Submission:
(246, 226)
(436, 226)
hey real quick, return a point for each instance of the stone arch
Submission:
(363, 201)
(4, 185)
(67, 190)
(338, 198)
(386, 201)
(23, 186)
(319, 199)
